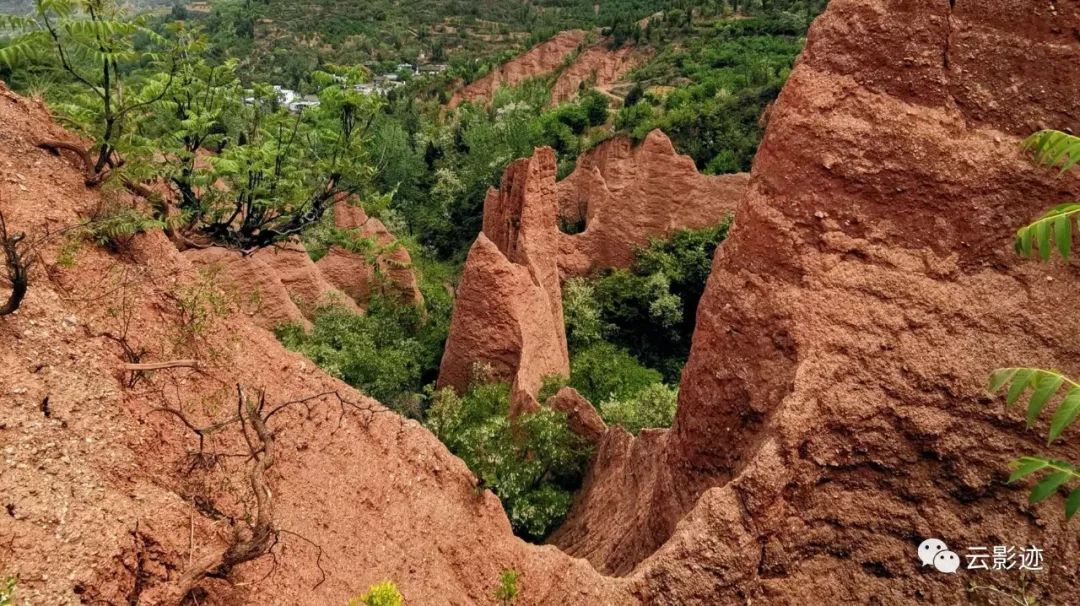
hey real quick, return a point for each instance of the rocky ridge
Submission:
(508, 309)
(623, 195)
(833, 413)
(388, 272)
(567, 58)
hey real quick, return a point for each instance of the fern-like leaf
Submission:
(1054, 148)
(16, 23)
(1052, 230)
(1072, 503)
(23, 48)
(1045, 384)
(1056, 474)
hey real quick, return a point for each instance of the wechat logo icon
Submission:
(934, 552)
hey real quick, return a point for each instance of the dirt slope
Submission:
(541, 59)
(598, 66)
(832, 414)
(96, 478)
(389, 272)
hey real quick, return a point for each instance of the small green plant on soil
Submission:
(380, 594)
(199, 304)
(507, 590)
(7, 590)
(1018, 596)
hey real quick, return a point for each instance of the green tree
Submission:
(251, 174)
(650, 308)
(653, 406)
(381, 352)
(583, 317)
(92, 42)
(533, 463)
(603, 371)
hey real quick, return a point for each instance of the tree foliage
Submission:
(650, 308)
(249, 172)
(382, 352)
(603, 372)
(1045, 386)
(629, 330)
(1054, 148)
(93, 43)
(533, 463)
(1054, 229)
(653, 406)
(711, 81)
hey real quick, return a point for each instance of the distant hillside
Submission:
(283, 40)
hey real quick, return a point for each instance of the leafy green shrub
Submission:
(603, 371)
(595, 105)
(381, 594)
(550, 386)
(650, 309)
(113, 225)
(377, 352)
(394, 349)
(533, 463)
(653, 406)
(582, 314)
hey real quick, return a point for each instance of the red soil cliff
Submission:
(508, 311)
(541, 59)
(625, 195)
(833, 413)
(598, 66)
(508, 308)
(390, 272)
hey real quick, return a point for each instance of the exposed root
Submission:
(257, 535)
(92, 177)
(18, 258)
(138, 570)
